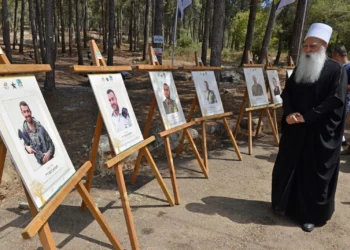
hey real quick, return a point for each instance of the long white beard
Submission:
(310, 66)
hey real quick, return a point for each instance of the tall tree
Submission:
(268, 34)
(70, 30)
(205, 41)
(158, 24)
(146, 29)
(132, 9)
(105, 29)
(41, 31)
(63, 40)
(34, 31)
(85, 24)
(50, 76)
(111, 17)
(6, 29)
(77, 32)
(21, 38)
(14, 41)
(250, 30)
(298, 29)
(218, 34)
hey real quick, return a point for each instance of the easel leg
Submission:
(196, 153)
(2, 158)
(250, 136)
(126, 207)
(172, 169)
(145, 134)
(204, 146)
(193, 108)
(158, 176)
(259, 124)
(233, 140)
(272, 126)
(45, 234)
(98, 215)
(240, 115)
(93, 155)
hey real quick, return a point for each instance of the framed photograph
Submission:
(207, 92)
(255, 81)
(275, 86)
(117, 112)
(167, 99)
(32, 139)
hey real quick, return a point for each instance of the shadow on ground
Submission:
(240, 211)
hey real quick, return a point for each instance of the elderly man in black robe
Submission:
(305, 174)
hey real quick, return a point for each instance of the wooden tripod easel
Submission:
(116, 162)
(165, 134)
(202, 120)
(250, 109)
(39, 223)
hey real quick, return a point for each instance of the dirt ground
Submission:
(231, 210)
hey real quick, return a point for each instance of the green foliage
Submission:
(185, 39)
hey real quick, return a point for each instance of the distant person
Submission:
(257, 90)
(341, 56)
(169, 104)
(36, 140)
(276, 88)
(121, 119)
(211, 98)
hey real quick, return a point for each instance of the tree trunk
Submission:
(146, 30)
(105, 21)
(111, 17)
(85, 24)
(158, 25)
(205, 41)
(118, 42)
(250, 30)
(77, 32)
(63, 39)
(131, 25)
(280, 47)
(70, 31)
(55, 25)
(135, 29)
(218, 34)
(40, 27)
(50, 76)
(297, 30)
(6, 30)
(34, 32)
(268, 34)
(14, 41)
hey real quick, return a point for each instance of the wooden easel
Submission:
(116, 162)
(165, 134)
(39, 223)
(250, 109)
(291, 65)
(202, 120)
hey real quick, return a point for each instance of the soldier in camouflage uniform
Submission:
(36, 140)
(211, 98)
(169, 104)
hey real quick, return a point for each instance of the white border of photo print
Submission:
(116, 109)
(174, 116)
(257, 93)
(207, 92)
(31, 125)
(289, 72)
(276, 95)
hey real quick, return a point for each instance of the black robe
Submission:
(305, 174)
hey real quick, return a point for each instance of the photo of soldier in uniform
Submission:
(169, 104)
(36, 139)
(275, 86)
(120, 116)
(210, 95)
(256, 87)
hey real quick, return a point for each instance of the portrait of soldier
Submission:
(276, 88)
(210, 95)
(120, 116)
(256, 88)
(169, 104)
(36, 139)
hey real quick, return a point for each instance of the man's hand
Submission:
(292, 118)
(300, 118)
(46, 157)
(30, 150)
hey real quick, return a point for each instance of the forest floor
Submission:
(231, 210)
